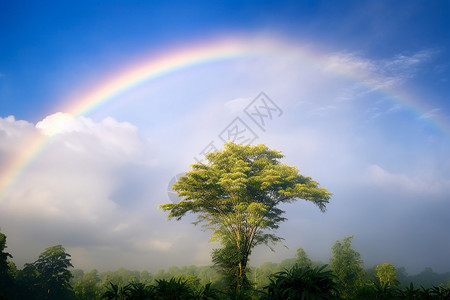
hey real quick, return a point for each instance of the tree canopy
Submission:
(236, 194)
(53, 269)
(387, 274)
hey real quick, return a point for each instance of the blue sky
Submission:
(378, 139)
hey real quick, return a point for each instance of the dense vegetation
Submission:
(50, 277)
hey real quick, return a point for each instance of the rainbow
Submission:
(164, 65)
(115, 86)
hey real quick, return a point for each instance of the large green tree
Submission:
(236, 193)
(347, 267)
(54, 276)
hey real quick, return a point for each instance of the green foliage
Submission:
(145, 276)
(205, 274)
(27, 283)
(288, 281)
(4, 268)
(130, 291)
(140, 291)
(230, 262)
(176, 289)
(302, 283)
(47, 278)
(428, 278)
(12, 270)
(236, 195)
(376, 290)
(86, 286)
(347, 266)
(6, 280)
(53, 272)
(387, 274)
(116, 292)
(409, 292)
(207, 293)
(440, 292)
(240, 294)
(120, 276)
(383, 291)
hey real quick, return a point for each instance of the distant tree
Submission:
(285, 264)
(87, 285)
(160, 274)
(173, 270)
(6, 280)
(403, 277)
(428, 278)
(120, 277)
(303, 259)
(236, 194)
(263, 273)
(208, 274)
(145, 276)
(387, 274)
(347, 266)
(53, 272)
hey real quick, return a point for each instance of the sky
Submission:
(104, 103)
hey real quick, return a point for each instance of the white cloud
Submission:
(404, 184)
(12, 128)
(377, 112)
(152, 244)
(57, 123)
(121, 227)
(375, 75)
(406, 66)
(325, 110)
(70, 185)
(80, 133)
(237, 105)
(430, 114)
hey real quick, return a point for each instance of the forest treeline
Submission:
(50, 277)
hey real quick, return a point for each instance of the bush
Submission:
(302, 283)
